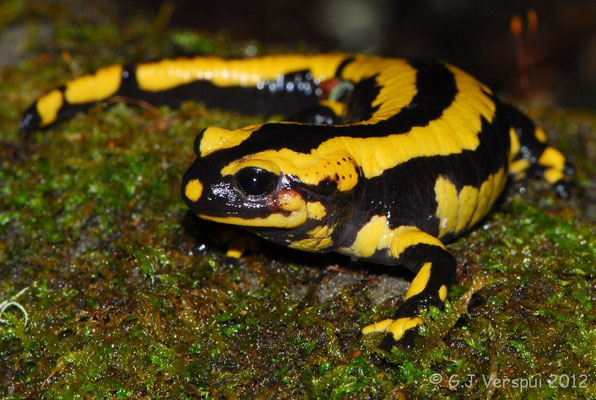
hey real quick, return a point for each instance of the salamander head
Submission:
(235, 181)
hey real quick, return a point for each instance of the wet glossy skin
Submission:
(413, 153)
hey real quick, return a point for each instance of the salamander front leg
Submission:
(434, 267)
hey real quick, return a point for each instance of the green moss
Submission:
(129, 295)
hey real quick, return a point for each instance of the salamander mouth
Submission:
(213, 211)
(222, 203)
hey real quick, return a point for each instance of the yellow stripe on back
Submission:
(167, 74)
(99, 86)
(390, 74)
(456, 130)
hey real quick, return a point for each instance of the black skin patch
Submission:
(342, 65)
(285, 96)
(531, 148)
(317, 115)
(360, 100)
(31, 118)
(409, 191)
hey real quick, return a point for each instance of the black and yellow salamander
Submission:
(380, 159)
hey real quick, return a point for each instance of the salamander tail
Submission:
(532, 155)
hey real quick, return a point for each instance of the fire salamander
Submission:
(380, 159)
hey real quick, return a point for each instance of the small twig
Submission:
(12, 303)
(57, 369)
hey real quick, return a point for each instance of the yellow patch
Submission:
(236, 247)
(316, 210)
(321, 231)
(406, 236)
(420, 281)
(193, 190)
(234, 253)
(216, 138)
(553, 175)
(167, 74)
(380, 326)
(99, 86)
(310, 169)
(401, 325)
(540, 135)
(514, 147)
(296, 218)
(48, 106)
(459, 211)
(311, 244)
(376, 235)
(443, 292)
(552, 157)
(519, 166)
(319, 239)
(290, 200)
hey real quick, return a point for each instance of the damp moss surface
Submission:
(110, 288)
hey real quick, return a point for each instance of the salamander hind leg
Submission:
(531, 154)
(434, 267)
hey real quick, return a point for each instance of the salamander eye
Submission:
(256, 181)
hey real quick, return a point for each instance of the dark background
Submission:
(473, 34)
